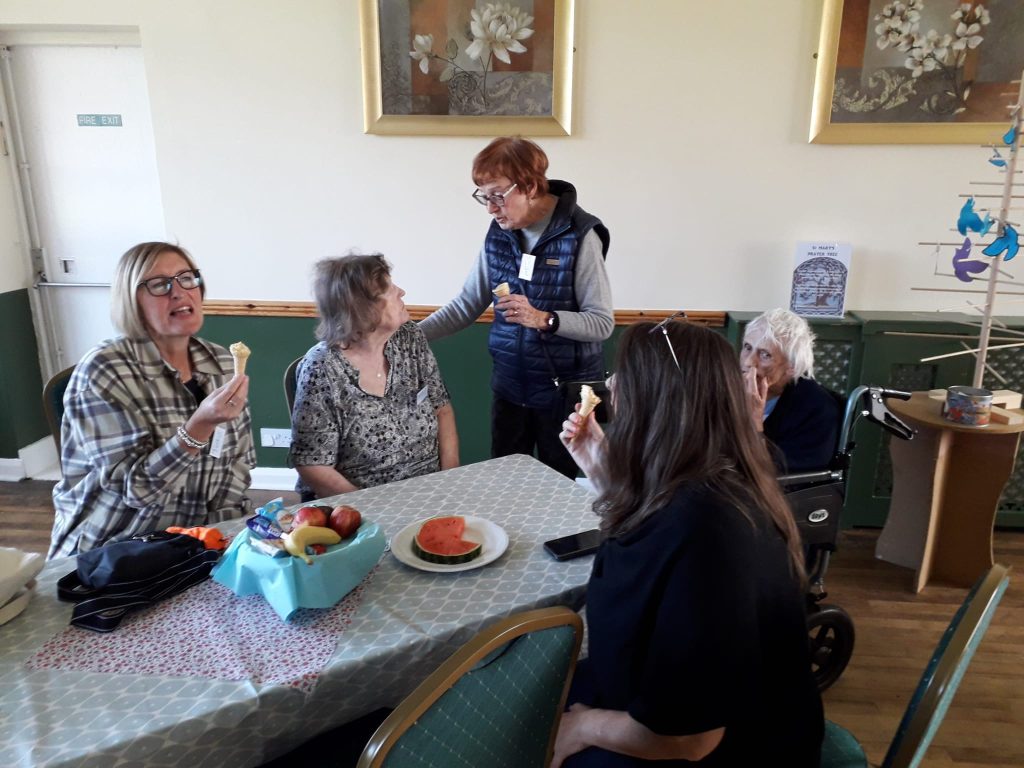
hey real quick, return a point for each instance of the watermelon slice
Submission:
(440, 541)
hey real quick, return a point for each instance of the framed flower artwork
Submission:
(916, 71)
(467, 68)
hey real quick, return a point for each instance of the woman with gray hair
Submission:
(370, 405)
(156, 431)
(796, 414)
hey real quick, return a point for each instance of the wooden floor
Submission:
(896, 634)
(26, 513)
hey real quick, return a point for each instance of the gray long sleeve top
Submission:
(594, 321)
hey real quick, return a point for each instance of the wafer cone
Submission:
(240, 354)
(588, 402)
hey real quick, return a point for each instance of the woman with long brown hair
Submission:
(695, 607)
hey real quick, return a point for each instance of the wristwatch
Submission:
(551, 323)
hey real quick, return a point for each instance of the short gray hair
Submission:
(790, 333)
(134, 264)
(348, 290)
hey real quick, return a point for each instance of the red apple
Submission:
(345, 520)
(309, 516)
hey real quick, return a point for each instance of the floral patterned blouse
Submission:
(371, 440)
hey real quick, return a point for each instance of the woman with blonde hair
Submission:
(156, 428)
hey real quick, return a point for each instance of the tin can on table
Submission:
(970, 406)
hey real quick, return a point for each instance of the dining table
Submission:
(208, 678)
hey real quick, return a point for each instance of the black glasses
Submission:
(663, 327)
(161, 286)
(498, 198)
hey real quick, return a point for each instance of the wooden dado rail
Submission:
(419, 312)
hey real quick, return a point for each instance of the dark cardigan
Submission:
(804, 426)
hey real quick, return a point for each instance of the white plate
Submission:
(491, 536)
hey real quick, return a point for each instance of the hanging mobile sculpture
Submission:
(1003, 248)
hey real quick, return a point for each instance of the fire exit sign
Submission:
(100, 121)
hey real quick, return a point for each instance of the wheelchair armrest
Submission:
(798, 478)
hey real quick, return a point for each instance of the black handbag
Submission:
(569, 391)
(124, 576)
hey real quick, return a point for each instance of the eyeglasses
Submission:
(498, 198)
(161, 286)
(663, 327)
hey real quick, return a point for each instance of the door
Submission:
(84, 118)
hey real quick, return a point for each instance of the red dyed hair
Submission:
(519, 160)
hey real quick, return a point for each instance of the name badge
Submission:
(526, 267)
(217, 441)
(421, 396)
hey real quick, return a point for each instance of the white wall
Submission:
(690, 142)
(14, 272)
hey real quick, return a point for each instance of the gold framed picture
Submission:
(916, 71)
(464, 68)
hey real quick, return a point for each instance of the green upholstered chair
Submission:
(291, 373)
(935, 691)
(496, 702)
(53, 403)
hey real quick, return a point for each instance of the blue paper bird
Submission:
(965, 267)
(997, 159)
(1010, 137)
(1009, 242)
(971, 220)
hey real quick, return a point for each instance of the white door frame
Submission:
(43, 315)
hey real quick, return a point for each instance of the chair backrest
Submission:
(291, 373)
(506, 688)
(946, 668)
(53, 403)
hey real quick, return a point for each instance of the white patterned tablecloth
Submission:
(407, 622)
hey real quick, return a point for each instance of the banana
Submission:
(297, 541)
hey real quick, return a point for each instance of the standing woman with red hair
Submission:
(558, 312)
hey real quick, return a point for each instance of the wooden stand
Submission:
(946, 487)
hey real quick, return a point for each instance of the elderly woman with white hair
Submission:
(796, 414)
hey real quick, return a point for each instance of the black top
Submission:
(804, 426)
(196, 389)
(696, 623)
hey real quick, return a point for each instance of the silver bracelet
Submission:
(190, 441)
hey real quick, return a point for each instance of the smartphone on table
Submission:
(576, 545)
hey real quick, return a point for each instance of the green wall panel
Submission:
(466, 367)
(859, 348)
(21, 412)
(275, 342)
(894, 359)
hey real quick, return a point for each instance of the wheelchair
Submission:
(816, 501)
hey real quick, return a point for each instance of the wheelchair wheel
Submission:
(831, 636)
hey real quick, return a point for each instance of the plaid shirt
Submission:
(124, 469)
